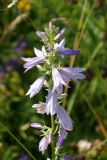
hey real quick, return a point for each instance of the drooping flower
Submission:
(64, 51)
(45, 141)
(37, 125)
(51, 102)
(64, 119)
(59, 142)
(40, 108)
(63, 133)
(57, 80)
(36, 86)
(72, 73)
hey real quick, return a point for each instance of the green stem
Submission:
(53, 140)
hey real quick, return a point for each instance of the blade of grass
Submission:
(18, 141)
(97, 117)
(87, 65)
(76, 42)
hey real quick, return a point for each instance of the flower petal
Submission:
(64, 119)
(51, 102)
(37, 125)
(36, 86)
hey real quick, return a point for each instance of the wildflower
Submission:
(23, 157)
(36, 86)
(32, 62)
(64, 119)
(63, 133)
(61, 33)
(45, 141)
(74, 74)
(68, 157)
(37, 125)
(51, 102)
(21, 45)
(40, 108)
(57, 80)
(59, 142)
(64, 51)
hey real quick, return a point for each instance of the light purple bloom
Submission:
(64, 51)
(63, 133)
(40, 108)
(51, 102)
(64, 119)
(36, 87)
(37, 125)
(57, 80)
(45, 141)
(59, 142)
(72, 73)
(32, 62)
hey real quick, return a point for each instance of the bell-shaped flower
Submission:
(64, 119)
(51, 102)
(40, 108)
(63, 133)
(33, 62)
(36, 86)
(45, 141)
(72, 73)
(59, 142)
(64, 51)
(37, 125)
(57, 80)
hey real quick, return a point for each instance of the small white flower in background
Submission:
(84, 145)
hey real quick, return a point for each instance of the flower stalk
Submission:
(49, 61)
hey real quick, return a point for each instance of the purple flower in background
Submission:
(23, 157)
(40, 108)
(37, 125)
(57, 80)
(45, 141)
(2, 72)
(36, 86)
(51, 102)
(67, 157)
(64, 119)
(12, 64)
(64, 51)
(72, 73)
(21, 45)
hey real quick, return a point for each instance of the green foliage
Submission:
(86, 28)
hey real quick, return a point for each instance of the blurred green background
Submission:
(85, 22)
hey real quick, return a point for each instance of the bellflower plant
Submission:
(54, 77)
